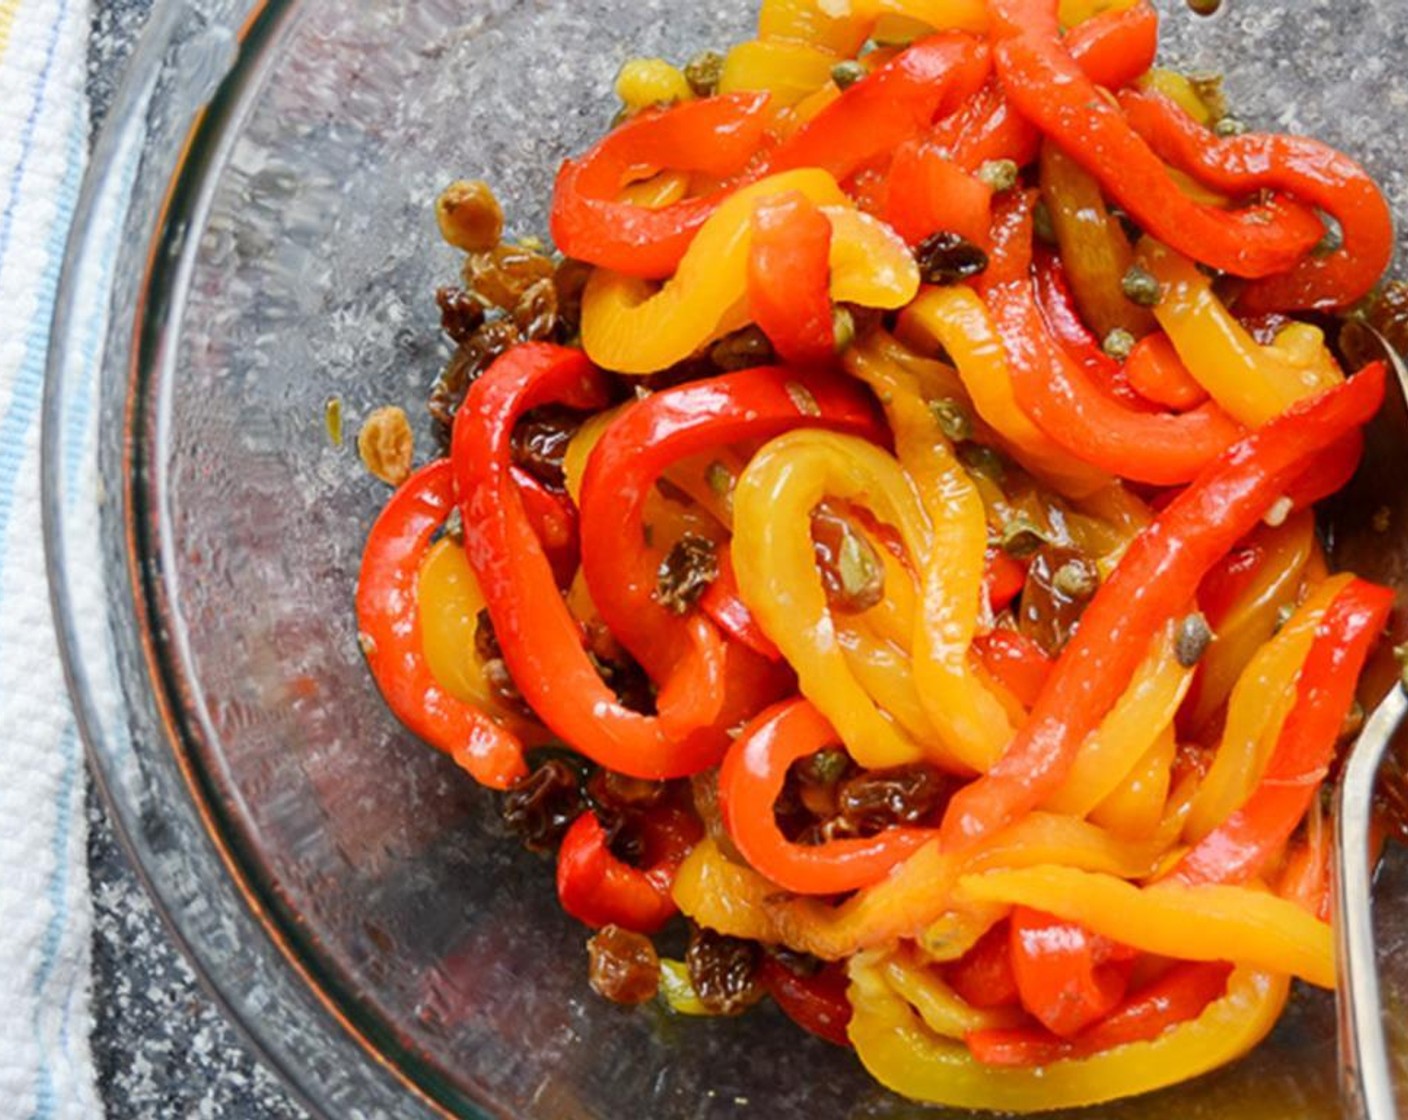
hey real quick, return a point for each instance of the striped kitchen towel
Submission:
(45, 1064)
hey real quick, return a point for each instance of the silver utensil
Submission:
(1365, 527)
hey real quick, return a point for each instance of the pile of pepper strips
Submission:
(1007, 956)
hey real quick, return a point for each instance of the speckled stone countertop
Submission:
(163, 1050)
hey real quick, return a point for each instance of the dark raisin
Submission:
(535, 313)
(570, 278)
(460, 313)
(539, 807)
(686, 572)
(624, 676)
(502, 688)
(724, 971)
(947, 258)
(623, 966)
(624, 838)
(540, 441)
(486, 642)
(1060, 583)
(470, 359)
(850, 568)
(875, 800)
(607, 787)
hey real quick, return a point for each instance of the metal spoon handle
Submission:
(1366, 1084)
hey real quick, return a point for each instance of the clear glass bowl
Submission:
(256, 237)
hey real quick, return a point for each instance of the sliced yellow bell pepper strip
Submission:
(917, 900)
(630, 326)
(805, 21)
(450, 601)
(658, 191)
(969, 718)
(886, 673)
(1178, 89)
(677, 990)
(955, 319)
(777, 577)
(902, 1053)
(1128, 732)
(941, 1008)
(1136, 809)
(1094, 248)
(789, 71)
(1251, 382)
(1204, 923)
(1251, 620)
(1260, 703)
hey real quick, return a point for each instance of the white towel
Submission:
(46, 1070)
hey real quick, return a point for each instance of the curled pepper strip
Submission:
(1241, 847)
(717, 136)
(901, 1053)
(774, 560)
(816, 1003)
(789, 279)
(897, 102)
(1061, 396)
(541, 641)
(389, 627)
(1158, 574)
(1178, 996)
(1307, 169)
(750, 782)
(666, 427)
(597, 888)
(1113, 49)
(1050, 89)
(1203, 923)
(1067, 977)
(928, 192)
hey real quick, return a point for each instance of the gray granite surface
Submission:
(163, 1050)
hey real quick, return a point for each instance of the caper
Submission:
(1192, 641)
(703, 71)
(848, 73)
(1021, 536)
(1076, 579)
(1140, 286)
(953, 419)
(1118, 344)
(999, 174)
(1229, 126)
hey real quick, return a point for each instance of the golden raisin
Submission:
(623, 966)
(386, 445)
(470, 216)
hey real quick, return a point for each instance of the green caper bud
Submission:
(1229, 126)
(843, 328)
(1021, 537)
(1192, 641)
(703, 71)
(1141, 286)
(999, 174)
(1118, 344)
(953, 419)
(1076, 579)
(848, 73)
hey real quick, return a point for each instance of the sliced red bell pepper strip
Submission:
(895, 103)
(927, 193)
(789, 279)
(1113, 49)
(983, 976)
(554, 519)
(1067, 977)
(665, 427)
(717, 136)
(817, 1004)
(597, 888)
(541, 641)
(388, 625)
(1230, 577)
(1307, 169)
(1156, 372)
(730, 613)
(1239, 848)
(1058, 306)
(1329, 473)
(1050, 89)
(1004, 579)
(750, 782)
(1016, 661)
(1179, 995)
(1156, 578)
(1061, 396)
